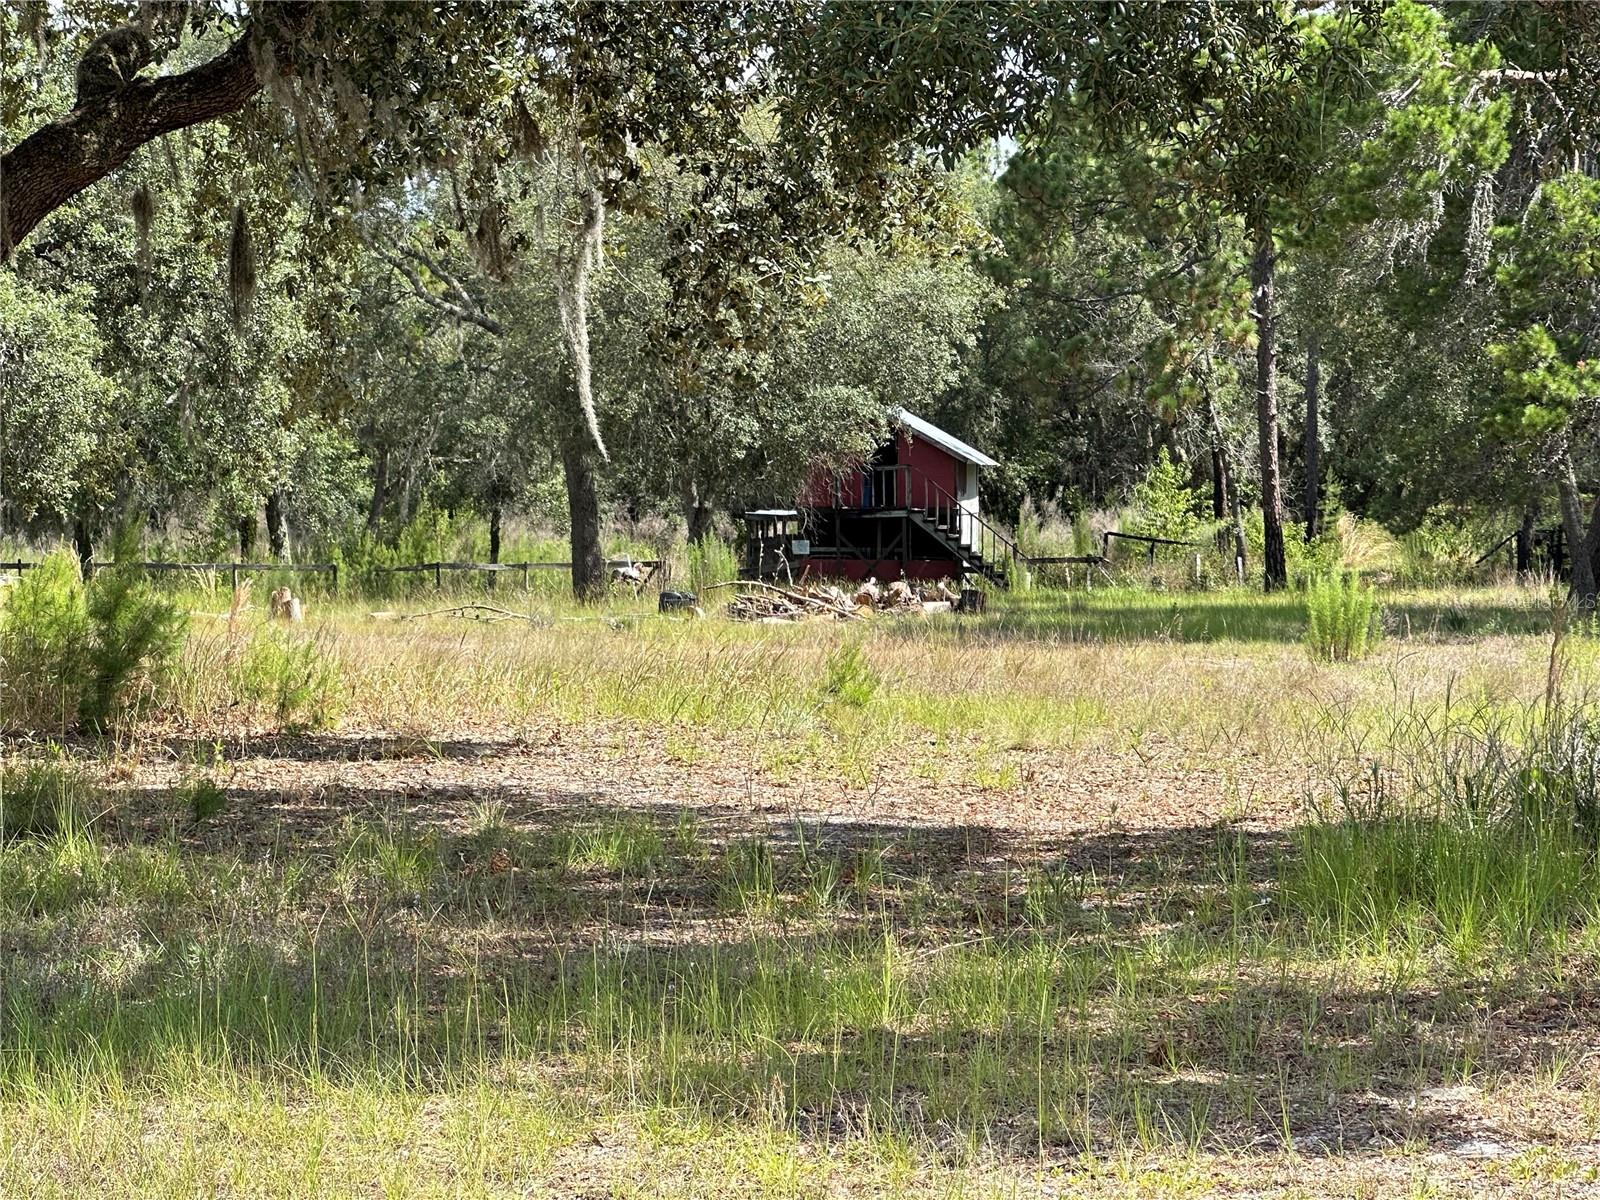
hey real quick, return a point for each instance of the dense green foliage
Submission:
(77, 653)
(1342, 264)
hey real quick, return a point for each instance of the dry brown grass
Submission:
(637, 909)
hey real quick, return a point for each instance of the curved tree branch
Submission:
(462, 308)
(57, 161)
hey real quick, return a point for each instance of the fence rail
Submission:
(439, 568)
(232, 568)
(651, 566)
(1150, 543)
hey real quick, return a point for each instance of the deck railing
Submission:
(898, 487)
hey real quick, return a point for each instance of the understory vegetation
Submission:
(353, 946)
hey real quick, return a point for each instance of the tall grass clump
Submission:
(1341, 616)
(84, 654)
(291, 676)
(849, 679)
(1486, 834)
(711, 560)
(40, 799)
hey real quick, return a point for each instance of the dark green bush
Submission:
(76, 654)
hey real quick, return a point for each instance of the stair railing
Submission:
(968, 529)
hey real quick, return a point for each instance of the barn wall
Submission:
(929, 460)
(924, 458)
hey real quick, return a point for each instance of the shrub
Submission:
(1341, 616)
(84, 654)
(1164, 505)
(137, 637)
(44, 642)
(40, 799)
(850, 679)
(204, 798)
(292, 676)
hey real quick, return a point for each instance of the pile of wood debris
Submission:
(771, 603)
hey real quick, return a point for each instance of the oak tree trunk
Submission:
(697, 513)
(1591, 543)
(1313, 435)
(380, 490)
(83, 543)
(578, 455)
(494, 535)
(1275, 570)
(1525, 543)
(247, 537)
(277, 524)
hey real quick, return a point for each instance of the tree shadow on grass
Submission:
(335, 747)
(956, 982)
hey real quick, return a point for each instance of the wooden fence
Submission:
(1150, 543)
(652, 567)
(232, 568)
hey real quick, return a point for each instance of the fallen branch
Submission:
(473, 612)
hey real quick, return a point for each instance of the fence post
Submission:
(438, 577)
(334, 570)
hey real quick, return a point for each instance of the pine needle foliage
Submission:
(1341, 616)
(83, 654)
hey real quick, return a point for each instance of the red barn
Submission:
(911, 512)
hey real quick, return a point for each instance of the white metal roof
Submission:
(947, 442)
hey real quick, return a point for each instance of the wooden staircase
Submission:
(976, 545)
(937, 523)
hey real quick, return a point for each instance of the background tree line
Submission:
(288, 277)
